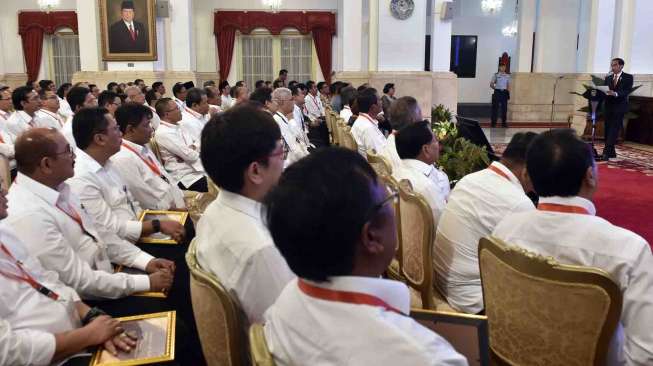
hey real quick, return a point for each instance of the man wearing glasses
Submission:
(284, 100)
(243, 153)
(26, 102)
(48, 115)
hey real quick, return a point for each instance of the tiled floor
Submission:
(503, 135)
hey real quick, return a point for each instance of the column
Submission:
(595, 35)
(350, 34)
(373, 36)
(526, 26)
(622, 39)
(89, 35)
(555, 41)
(182, 56)
(440, 39)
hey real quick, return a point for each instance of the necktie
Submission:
(131, 31)
(615, 79)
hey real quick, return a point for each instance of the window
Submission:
(260, 56)
(65, 57)
(463, 56)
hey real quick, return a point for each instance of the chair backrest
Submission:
(541, 312)
(348, 139)
(258, 347)
(379, 163)
(218, 315)
(416, 234)
(154, 146)
(5, 171)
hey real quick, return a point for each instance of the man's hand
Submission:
(611, 93)
(102, 329)
(174, 229)
(159, 264)
(160, 281)
(121, 342)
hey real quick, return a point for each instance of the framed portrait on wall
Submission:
(128, 30)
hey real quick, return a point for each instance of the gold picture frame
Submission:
(129, 270)
(122, 44)
(160, 238)
(158, 350)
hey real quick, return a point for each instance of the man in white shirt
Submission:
(366, 130)
(241, 95)
(58, 231)
(78, 97)
(478, 202)
(194, 114)
(65, 111)
(109, 100)
(135, 94)
(179, 152)
(565, 227)
(48, 115)
(243, 153)
(6, 138)
(214, 99)
(339, 239)
(100, 188)
(419, 150)
(26, 102)
(348, 96)
(148, 181)
(313, 103)
(297, 121)
(404, 111)
(225, 95)
(283, 99)
(179, 93)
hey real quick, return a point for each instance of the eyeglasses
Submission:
(374, 210)
(70, 150)
(285, 149)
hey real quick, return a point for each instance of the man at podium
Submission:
(620, 85)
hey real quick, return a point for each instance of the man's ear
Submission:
(371, 239)
(591, 178)
(46, 165)
(253, 173)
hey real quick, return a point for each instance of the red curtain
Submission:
(226, 39)
(31, 27)
(322, 24)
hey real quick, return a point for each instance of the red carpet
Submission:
(625, 198)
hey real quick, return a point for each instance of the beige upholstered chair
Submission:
(348, 140)
(154, 146)
(220, 320)
(541, 312)
(197, 202)
(379, 163)
(414, 264)
(5, 171)
(258, 348)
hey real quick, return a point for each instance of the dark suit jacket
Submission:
(623, 89)
(120, 40)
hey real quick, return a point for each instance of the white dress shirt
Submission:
(180, 103)
(227, 101)
(588, 240)
(301, 329)
(146, 179)
(314, 107)
(155, 121)
(64, 108)
(476, 205)
(192, 123)
(106, 197)
(235, 246)
(67, 131)
(47, 119)
(421, 176)
(367, 134)
(82, 260)
(179, 159)
(28, 318)
(346, 113)
(20, 122)
(297, 149)
(7, 143)
(299, 126)
(213, 109)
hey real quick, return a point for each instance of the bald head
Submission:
(32, 146)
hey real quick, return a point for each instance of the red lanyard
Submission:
(343, 296)
(78, 219)
(367, 117)
(498, 171)
(556, 207)
(147, 162)
(26, 277)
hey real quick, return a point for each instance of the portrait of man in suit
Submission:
(128, 35)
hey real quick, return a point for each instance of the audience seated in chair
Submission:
(243, 152)
(365, 129)
(283, 100)
(564, 226)
(419, 149)
(475, 206)
(339, 239)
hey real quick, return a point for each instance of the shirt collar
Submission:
(192, 113)
(24, 115)
(128, 24)
(169, 125)
(142, 149)
(241, 203)
(85, 161)
(571, 201)
(393, 293)
(368, 117)
(418, 165)
(511, 176)
(48, 194)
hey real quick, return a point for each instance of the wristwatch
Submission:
(156, 224)
(92, 314)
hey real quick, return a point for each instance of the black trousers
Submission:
(199, 186)
(499, 102)
(614, 120)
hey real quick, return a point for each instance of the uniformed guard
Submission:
(500, 83)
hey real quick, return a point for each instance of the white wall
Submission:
(642, 50)
(400, 38)
(470, 20)
(207, 59)
(13, 60)
(555, 40)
